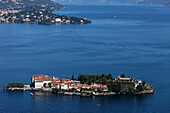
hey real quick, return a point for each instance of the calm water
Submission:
(129, 39)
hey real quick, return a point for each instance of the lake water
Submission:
(130, 39)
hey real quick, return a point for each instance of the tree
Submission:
(18, 85)
(143, 84)
(115, 87)
(122, 75)
(110, 76)
(139, 88)
(97, 77)
(72, 78)
(80, 77)
(104, 80)
(102, 76)
(98, 90)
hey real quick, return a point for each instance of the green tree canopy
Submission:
(72, 78)
(143, 84)
(122, 75)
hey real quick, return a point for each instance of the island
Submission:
(85, 85)
(36, 12)
(41, 16)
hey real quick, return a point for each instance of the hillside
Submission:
(42, 16)
(29, 4)
(156, 2)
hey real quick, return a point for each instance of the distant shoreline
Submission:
(79, 3)
(36, 12)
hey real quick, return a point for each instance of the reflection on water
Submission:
(44, 101)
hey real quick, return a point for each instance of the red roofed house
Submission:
(39, 81)
(64, 80)
(64, 86)
(37, 76)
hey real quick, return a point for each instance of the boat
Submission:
(31, 94)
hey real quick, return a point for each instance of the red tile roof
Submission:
(37, 78)
(39, 81)
(65, 79)
(47, 79)
(40, 76)
(57, 78)
(55, 83)
(95, 87)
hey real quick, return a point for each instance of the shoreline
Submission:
(145, 92)
(78, 3)
(42, 17)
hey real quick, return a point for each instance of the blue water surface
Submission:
(130, 39)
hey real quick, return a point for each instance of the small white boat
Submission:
(31, 94)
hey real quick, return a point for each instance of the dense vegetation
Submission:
(95, 78)
(15, 85)
(113, 84)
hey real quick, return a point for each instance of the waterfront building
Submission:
(38, 84)
(139, 81)
(58, 20)
(125, 80)
(44, 81)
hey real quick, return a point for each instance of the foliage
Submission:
(143, 84)
(121, 87)
(122, 75)
(88, 79)
(16, 85)
(72, 78)
(142, 88)
(117, 86)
